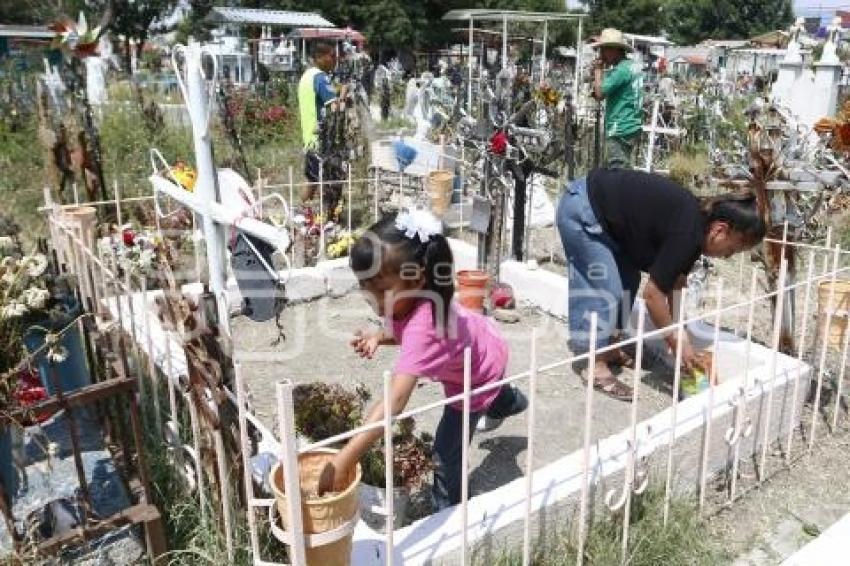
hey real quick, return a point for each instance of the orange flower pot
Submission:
(472, 288)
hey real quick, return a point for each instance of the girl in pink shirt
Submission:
(406, 268)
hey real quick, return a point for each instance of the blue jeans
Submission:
(448, 445)
(601, 279)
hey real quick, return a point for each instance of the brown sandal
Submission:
(622, 359)
(611, 386)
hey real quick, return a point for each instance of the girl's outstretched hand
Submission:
(327, 479)
(365, 343)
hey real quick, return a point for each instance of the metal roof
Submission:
(324, 33)
(650, 39)
(483, 14)
(41, 32)
(267, 18)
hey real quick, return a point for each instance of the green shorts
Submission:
(620, 151)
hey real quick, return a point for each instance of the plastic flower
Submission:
(7, 244)
(13, 310)
(499, 143)
(185, 175)
(35, 298)
(57, 353)
(146, 259)
(76, 37)
(35, 265)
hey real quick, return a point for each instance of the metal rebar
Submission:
(588, 421)
(674, 409)
(245, 449)
(827, 324)
(389, 472)
(291, 474)
(736, 454)
(703, 477)
(777, 333)
(464, 454)
(801, 348)
(633, 448)
(529, 454)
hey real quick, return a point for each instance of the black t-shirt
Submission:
(656, 223)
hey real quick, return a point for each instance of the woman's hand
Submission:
(366, 343)
(690, 359)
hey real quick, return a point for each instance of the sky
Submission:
(823, 8)
(801, 7)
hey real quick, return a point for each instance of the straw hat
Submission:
(611, 37)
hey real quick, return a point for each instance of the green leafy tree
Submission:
(38, 12)
(691, 21)
(134, 20)
(634, 16)
(193, 24)
(392, 23)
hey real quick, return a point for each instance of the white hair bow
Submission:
(419, 223)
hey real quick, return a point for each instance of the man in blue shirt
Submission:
(314, 92)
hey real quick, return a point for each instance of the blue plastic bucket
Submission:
(8, 474)
(73, 372)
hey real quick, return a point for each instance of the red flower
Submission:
(274, 114)
(29, 392)
(502, 297)
(129, 238)
(499, 143)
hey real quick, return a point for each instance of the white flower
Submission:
(104, 247)
(7, 243)
(125, 263)
(57, 354)
(146, 258)
(418, 223)
(9, 278)
(13, 310)
(35, 265)
(35, 298)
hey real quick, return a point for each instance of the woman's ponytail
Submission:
(740, 210)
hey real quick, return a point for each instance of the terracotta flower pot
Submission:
(840, 309)
(321, 514)
(439, 185)
(471, 289)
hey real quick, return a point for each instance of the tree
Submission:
(38, 12)
(633, 16)
(133, 20)
(392, 23)
(691, 21)
(193, 24)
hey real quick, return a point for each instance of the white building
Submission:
(237, 57)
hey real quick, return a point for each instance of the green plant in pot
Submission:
(412, 463)
(323, 410)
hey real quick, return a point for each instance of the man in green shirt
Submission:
(620, 86)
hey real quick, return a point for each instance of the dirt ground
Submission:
(770, 521)
(317, 348)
